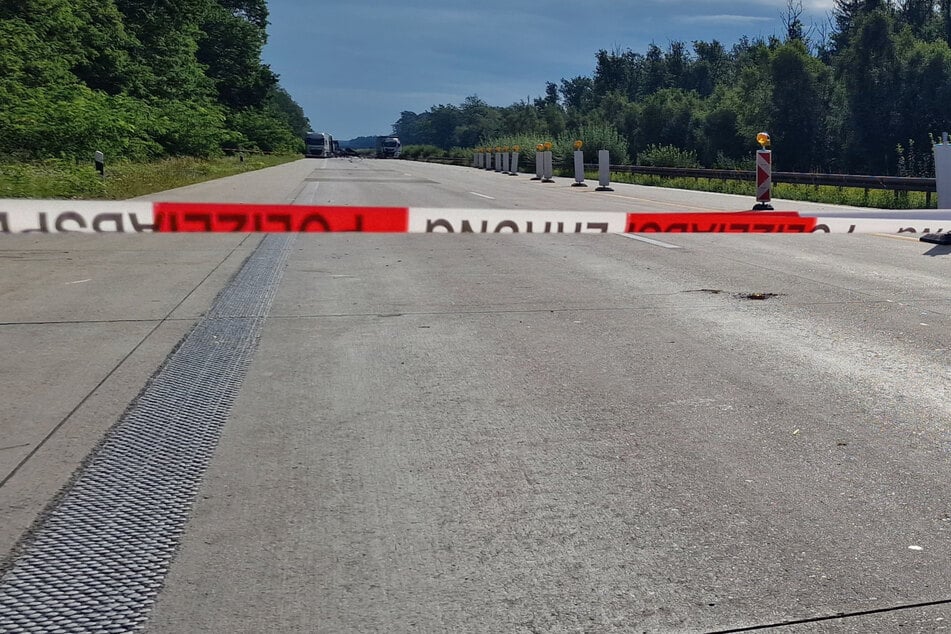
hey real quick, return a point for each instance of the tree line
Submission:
(864, 93)
(139, 79)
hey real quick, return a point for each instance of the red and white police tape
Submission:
(60, 216)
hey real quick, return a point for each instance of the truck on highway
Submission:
(318, 145)
(388, 147)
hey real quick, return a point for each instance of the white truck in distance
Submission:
(318, 145)
(388, 147)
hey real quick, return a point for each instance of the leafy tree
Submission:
(166, 36)
(577, 93)
(263, 128)
(229, 46)
(280, 101)
(869, 70)
(798, 107)
(722, 138)
(138, 79)
(669, 117)
(925, 77)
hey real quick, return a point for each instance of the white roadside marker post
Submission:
(547, 167)
(579, 165)
(604, 172)
(942, 172)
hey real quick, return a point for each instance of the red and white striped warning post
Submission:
(64, 216)
(764, 174)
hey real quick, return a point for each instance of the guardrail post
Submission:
(604, 171)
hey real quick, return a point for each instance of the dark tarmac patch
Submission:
(756, 296)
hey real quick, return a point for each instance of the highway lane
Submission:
(404, 183)
(525, 433)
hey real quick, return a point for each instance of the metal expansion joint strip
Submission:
(98, 560)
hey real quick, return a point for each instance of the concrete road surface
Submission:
(542, 433)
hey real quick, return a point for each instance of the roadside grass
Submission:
(853, 196)
(56, 178)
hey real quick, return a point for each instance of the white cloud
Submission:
(722, 19)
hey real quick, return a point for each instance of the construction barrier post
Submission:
(505, 161)
(539, 161)
(604, 171)
(547, 168)
(579, 165)
(764, 174)
(942, 172)
(514, 170)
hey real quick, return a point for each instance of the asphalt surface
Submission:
(565, 433)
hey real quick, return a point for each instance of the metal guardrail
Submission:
(888, 183)
(893, 183)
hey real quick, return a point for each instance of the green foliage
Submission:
(264, 129)
(914, 162)
(879, 199)
(858, 101)
(139, 79)
(525, 142)
(415, 152)
(279, 101)
(189, 128)
(595, 137)
(57, 178)
(74, 121)
(229, 46)
(667, 156)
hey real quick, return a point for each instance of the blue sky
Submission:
(355, 65)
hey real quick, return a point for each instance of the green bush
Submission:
(263, 129)
(667, 156)
(414, 152)
(525, 142)
(59, 178)
(595, 138)
(188, 128)
(72, 122)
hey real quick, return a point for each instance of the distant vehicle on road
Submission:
(388, 147)
(318, 145)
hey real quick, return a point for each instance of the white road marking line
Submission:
(661, 202)
(80, 281)
(656, 243)
(482, 195)
(894, 237)
(313, 194)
